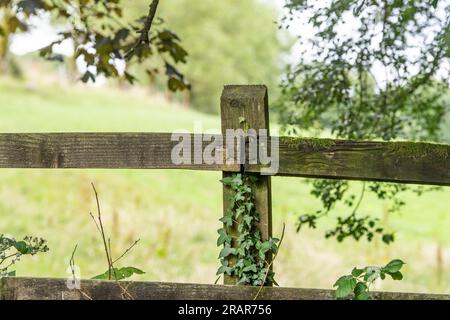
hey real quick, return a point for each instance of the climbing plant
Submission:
(244, 256)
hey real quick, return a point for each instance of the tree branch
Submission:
(145, 38)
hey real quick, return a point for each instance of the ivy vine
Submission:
(244, 256)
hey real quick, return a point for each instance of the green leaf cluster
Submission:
(231, 41)
(356, 285)
(102, 37)
(11, 251)
(385, 78)
(244, 256)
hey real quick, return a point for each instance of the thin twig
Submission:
(95, 221)
(108, 251)
(85, 294)
(126, 251)
(144, 38)
(271, 262)
(102, 231)
(113, 270)
(361, 197)
(72, 262)
(7, 257)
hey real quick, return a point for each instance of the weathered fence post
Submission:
(246, 107)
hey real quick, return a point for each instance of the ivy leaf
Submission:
(393, 266)
(248, 220)
(224, 269)
(250, 268)
(228, 181)
(223, 237)
(249, 206)
(226, 251)
(227, 220)
(243, 280)
(345, 286)
(239, 211)
(265, 246)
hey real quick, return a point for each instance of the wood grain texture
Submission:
(56, 289)
(244, 107)
(405, 162)
(96, 150)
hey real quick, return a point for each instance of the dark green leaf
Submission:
(22, 247)
(397, 275)
(345, 286)
(357, 272)
(393, 266)
(119, 274)
(226, 251)
(361, 291)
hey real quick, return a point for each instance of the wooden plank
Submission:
(97, 150)
(56, 289)
(246, 107)
(403, 162)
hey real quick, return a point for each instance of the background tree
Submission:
(100, 36)
(372, 69)
(228, 42)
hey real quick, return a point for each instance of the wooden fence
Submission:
(242, 107)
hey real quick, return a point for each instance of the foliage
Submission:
(370, 70)
(112, 273)
(100, 37)
(244, 257)
(229, 42)
(11, 251)
(352, 226)
(357, 284)
(119, 273)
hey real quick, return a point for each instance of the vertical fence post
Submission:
(246, 107)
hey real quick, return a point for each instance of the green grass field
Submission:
(175, 213)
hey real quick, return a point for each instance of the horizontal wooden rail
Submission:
(95, 150)
(405, 162)
(56, 289)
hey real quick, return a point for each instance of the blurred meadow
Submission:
(175, 213)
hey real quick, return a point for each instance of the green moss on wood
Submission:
(418, 150)
(314, 144)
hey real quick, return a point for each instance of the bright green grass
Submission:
(175, 213)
